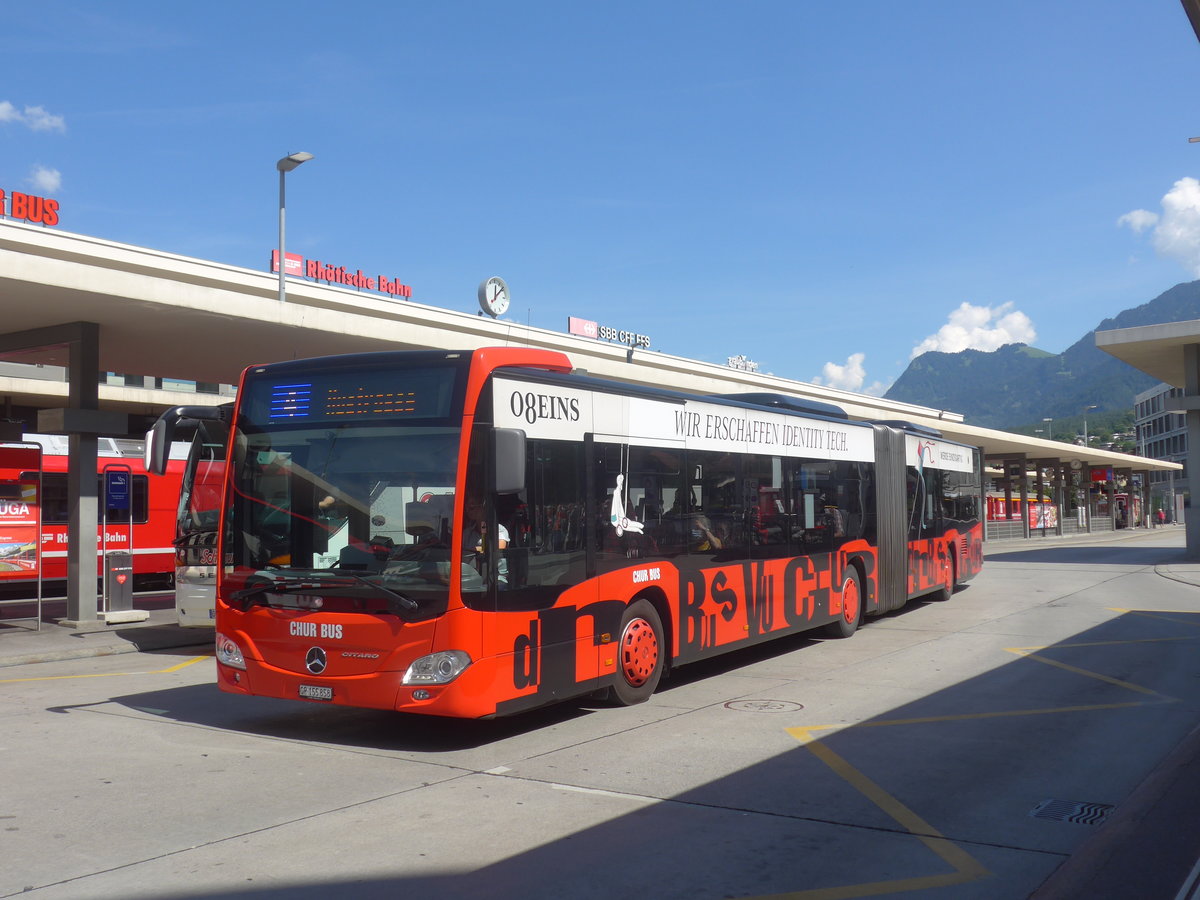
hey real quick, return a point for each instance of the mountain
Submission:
(1018, 384)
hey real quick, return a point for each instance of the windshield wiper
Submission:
(405, 602)
(300, 585)
(277, 586)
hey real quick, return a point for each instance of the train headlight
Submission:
(229, 653)
(437, 668)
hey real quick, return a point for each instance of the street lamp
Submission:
(1086, 410)
(1050, 436)
(284, 166)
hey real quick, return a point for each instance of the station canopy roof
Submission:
(171, 316)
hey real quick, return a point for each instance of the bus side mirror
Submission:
(162, 433)
(158, 446)
(509, 455)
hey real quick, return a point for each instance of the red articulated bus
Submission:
(141, 523)
(484, 532)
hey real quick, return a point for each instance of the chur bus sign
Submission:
(28, 208)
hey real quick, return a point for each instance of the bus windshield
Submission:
(361, 512)
(342, 489)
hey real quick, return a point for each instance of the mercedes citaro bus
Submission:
(479, 533)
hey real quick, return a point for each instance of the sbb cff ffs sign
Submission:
(39, 210)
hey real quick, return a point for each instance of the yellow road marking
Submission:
(1105, 643)
(1127, 685)
(966, 868)
(166, 671)
(996, 714)
(1163, 615)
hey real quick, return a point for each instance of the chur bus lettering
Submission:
(649, 529)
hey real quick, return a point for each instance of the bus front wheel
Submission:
(640, 655)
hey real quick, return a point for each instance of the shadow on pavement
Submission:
(959, 776)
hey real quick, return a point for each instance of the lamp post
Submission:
(284, 166)
(1050, 426)
(1086, 410)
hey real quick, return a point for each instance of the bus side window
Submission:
(546, 550)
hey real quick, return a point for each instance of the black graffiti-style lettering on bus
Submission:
(534, 407)
(760, 599)
(929, 562)
(919, 560)
(974, 551)
(725, 596)
(544, 655)
(805, 592)
(692, 594)
(525, 657)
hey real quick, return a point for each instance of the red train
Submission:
(137, 513)
(1043, 513)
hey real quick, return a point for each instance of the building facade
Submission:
(1162, 434)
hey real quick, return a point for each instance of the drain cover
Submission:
(1072, 811)
(763, 705)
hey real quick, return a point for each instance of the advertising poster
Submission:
(20, 521)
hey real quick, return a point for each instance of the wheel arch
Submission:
(657, 598)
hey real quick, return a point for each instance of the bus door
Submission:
(196, 525)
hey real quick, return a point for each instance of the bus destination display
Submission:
(358, 396)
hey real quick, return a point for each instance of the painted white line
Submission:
(580, 790)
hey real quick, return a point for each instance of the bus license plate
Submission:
(316, 692)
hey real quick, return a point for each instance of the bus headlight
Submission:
(437, 668)
(229, 653)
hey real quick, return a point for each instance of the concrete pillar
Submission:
(1022, 467)
(1059, 498)
(1085, 485)
(1006, 464)
(1191, 374)
(83, 508)
(82, 422)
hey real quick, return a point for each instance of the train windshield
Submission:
(340, 499)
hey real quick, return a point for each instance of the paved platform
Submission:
(21, 645)
(1148, 849)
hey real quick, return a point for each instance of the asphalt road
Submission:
(953, 750)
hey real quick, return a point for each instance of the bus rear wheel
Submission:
(951, 582)
(847, 623)
(640, 655)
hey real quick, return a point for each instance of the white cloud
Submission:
(1177, 236)
(33, 117)
(47, 180)
(1139, 220)
(39, 120)
(1176, 233)
(979, 328)
(849, 377)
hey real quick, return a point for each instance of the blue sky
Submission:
(825, 188)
